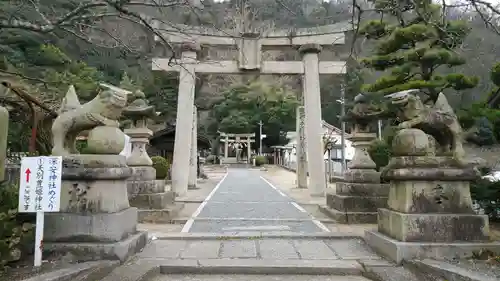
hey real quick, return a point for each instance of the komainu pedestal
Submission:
(358, 197)
(96, 220)
(429, 212)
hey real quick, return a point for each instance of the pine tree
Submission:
(485, 134)
(414, 40)
(127, 83)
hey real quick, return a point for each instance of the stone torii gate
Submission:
(309, 42)
(236, 138)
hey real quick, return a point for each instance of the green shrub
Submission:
(486, 194)
(210, 159)
(381, 153)
(484, 134)
(161, 166)
(260, 160)
(15, 235)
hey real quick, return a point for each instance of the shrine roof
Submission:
(169, 133)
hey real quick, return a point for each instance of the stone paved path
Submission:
(261, 249)
(247, 226)
(260, 255)
(245, 202)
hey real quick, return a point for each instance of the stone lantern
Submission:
(139, 112)
(358, 197)
(155, 203)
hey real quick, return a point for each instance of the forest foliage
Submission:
(50, 61)
(244, 106)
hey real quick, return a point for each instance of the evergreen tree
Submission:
(414, 40)
(485, 134)
(495, 78)
(127, 83)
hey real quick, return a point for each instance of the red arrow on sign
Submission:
(28, 172)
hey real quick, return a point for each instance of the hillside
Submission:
(86, 52)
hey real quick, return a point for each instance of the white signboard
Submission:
(40, 192)
(40, 187)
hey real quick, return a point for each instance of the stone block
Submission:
(353, 249)
(427, 161)
(203, 249)
(137, 270)
(362, 176)
(349, 217)
(90, 227)
(165, 215)
(432, 174)
(163, 249)
(95, 196)
(277, 249)
(149, 186)
(398, 251)
(355, 203)
(94, 161)
(425, 196)
(252, 267)
(92, 174)
(362, 189)
(437, 269)
(314, 250)
(390, 273)
(143, 173)
(433, 227)
(153, 201)
(86, 251)
(238, 249)
(92, 270)
(135, 187)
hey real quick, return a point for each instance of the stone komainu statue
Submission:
(104, 110)
(438, 121)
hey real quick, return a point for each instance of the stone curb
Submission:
(242, 266)
(243, 235)
(98, 269)
(140, 270)
(448, 271)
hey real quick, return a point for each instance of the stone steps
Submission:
(318, 256)
(254, 266)
(164, 215)
(346, 217)
(355, 203)
(153, 200)
(466, 272)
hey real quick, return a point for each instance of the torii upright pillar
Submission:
(184, 123)
(312, 104)
(193, 161)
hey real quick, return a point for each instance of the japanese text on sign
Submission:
(42, 192)
(54, 181)
(39, 184)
